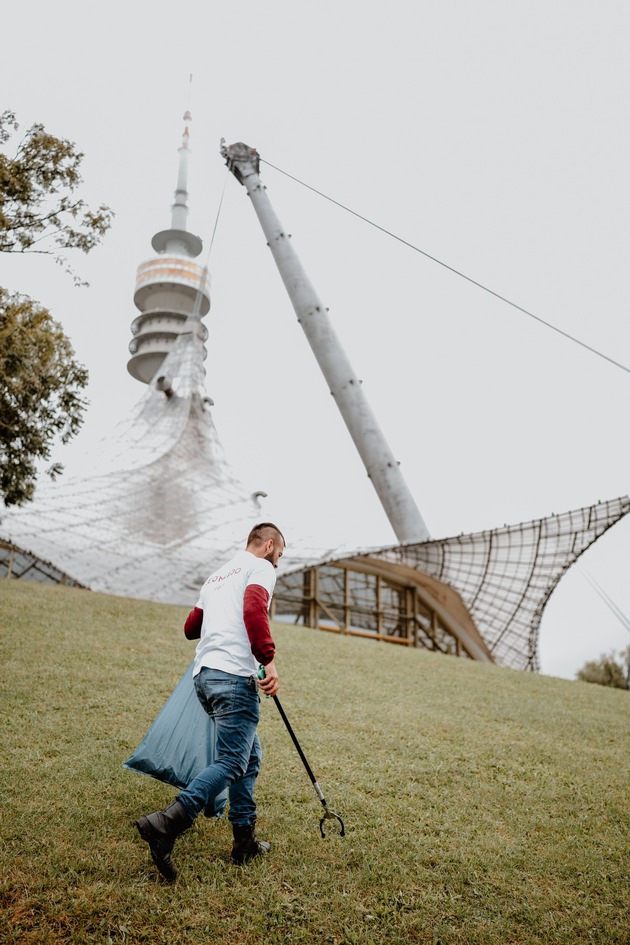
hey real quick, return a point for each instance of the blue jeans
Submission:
(234, 704)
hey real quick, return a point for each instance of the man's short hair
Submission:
(263, 532)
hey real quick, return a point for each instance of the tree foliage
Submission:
(40, 393)
(610, 669)
(40, 210)
(40, 379)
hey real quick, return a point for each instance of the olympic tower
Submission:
(171, 287)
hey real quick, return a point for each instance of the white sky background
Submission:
(493, 135)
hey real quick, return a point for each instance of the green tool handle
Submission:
(262, 673)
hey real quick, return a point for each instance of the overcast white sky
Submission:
(493, 135)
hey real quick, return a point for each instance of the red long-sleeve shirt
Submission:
(255, 618)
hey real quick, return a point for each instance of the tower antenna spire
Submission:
(179, 210)
(177, 239)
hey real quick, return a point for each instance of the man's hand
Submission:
(270, 683)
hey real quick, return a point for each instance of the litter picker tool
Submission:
(328, 813)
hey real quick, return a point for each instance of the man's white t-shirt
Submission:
(224, 642)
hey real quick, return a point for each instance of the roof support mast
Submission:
(378, 459)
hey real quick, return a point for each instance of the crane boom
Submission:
(378, 459)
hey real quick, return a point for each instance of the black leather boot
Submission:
(246, 844)
(160, 830)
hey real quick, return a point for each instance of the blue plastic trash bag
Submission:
(180, 743)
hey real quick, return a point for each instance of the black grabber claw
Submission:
(330, 815)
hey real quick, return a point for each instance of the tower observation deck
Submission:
(169, 288)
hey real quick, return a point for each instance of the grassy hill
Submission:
(482, 805)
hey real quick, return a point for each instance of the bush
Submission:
(608, 670)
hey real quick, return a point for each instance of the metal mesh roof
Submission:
(505, 576)
(161, 506)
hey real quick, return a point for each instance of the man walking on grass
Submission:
(231, 622)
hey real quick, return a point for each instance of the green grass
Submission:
(482, 805)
